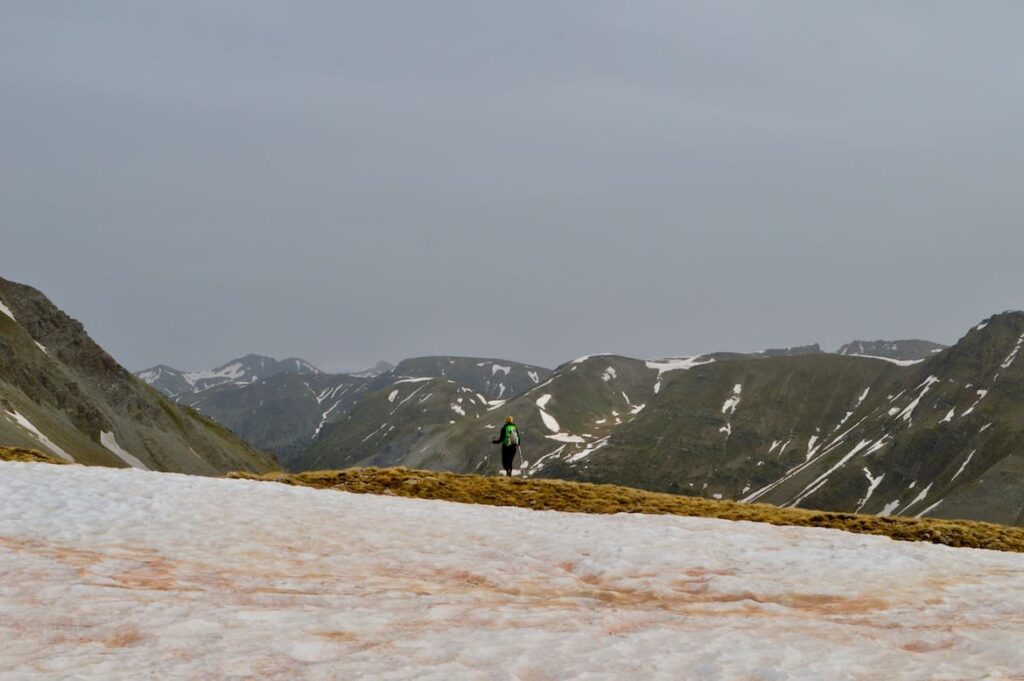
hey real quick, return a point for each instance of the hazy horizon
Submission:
(354, 182)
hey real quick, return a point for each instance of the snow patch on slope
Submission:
(908, 412)
(963, 466)
(1013, 354)
(7, 311)
(897, 362)
(590, 449)
(549, 421)
(566, 438)
(730, 404)
(108, 440)
(673, 364)
(982, 393)
(873, 483)
(37, 434)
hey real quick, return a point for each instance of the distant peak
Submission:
(240, 371)
(813, 349)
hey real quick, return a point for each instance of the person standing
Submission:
(508, 438)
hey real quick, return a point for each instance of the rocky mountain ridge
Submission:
(62, 393)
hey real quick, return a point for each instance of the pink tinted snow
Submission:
(132, 574)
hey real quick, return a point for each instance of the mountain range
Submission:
(885, 427)
(882, 427)
(290, 411)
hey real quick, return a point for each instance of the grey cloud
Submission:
(354, 181)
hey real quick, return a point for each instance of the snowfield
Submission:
(125, 573)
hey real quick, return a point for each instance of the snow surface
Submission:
(133, 574)
(109, 441)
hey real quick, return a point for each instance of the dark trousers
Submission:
(507, 455)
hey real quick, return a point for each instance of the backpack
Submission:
(511, 435)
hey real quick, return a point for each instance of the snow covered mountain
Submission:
(293, 413)
(238, 372)
(61, 393)
(131, 574)
(376, 370)
(901, 427)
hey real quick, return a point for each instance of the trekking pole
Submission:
(522, 462)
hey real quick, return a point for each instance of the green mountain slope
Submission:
(395, 425)
(942, 437)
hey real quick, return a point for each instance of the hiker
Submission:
(508, 438)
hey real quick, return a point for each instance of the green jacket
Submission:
(504, 437)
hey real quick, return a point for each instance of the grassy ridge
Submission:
(29, 455)
(558, 495)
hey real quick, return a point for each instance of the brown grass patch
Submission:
(559, 495)
(28, 455)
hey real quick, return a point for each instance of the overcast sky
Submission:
(349, 182)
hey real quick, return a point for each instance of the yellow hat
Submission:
(509, 419)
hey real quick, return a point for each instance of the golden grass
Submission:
(559, 495)
(30, 455)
